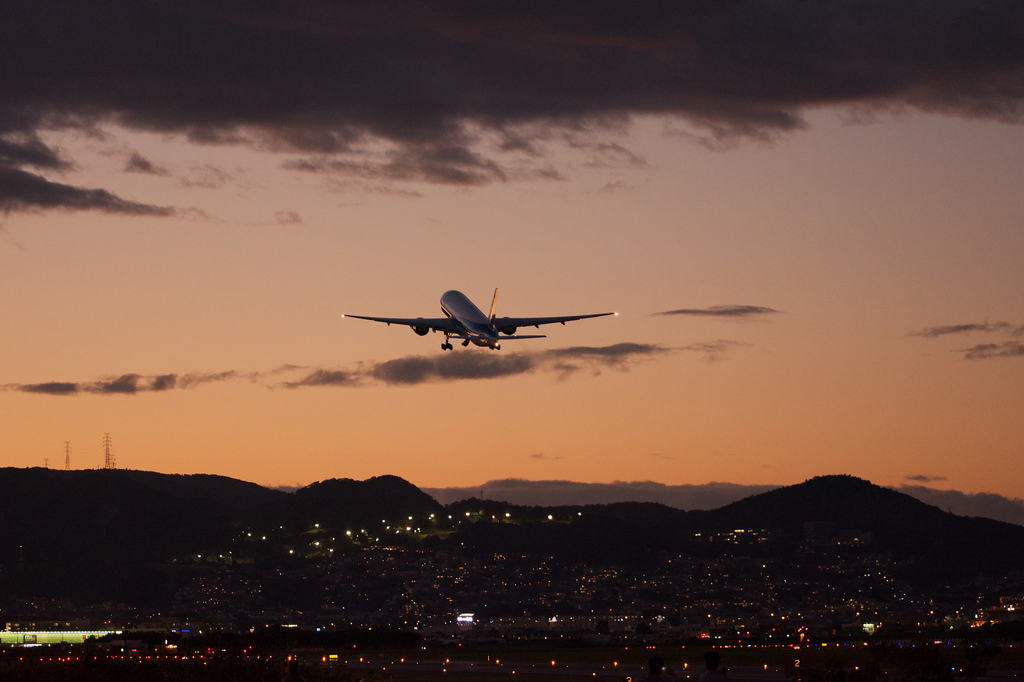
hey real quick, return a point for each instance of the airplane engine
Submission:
(509, 330)
(421, 331)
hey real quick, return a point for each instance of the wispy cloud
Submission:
(207, 176)
(727, 311)
(287, 218)
(137, 163)
(567, 361)
(1008, 347)
(128, 384)
(541, 456)
(984, 351)
(714, 350)
(924, 478)
(982, 327)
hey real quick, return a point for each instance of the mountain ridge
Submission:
(126, 535)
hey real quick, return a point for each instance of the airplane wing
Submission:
(420, 324)
(508, 325)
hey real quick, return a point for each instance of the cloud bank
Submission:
(407, 371)
(415, 90)
(708, 496)
(554, 493)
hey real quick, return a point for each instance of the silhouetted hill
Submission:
(345, 502)
(101, 532)
(843, 500)
(938, 542)
(235, 495)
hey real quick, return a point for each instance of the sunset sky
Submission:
(809, 217)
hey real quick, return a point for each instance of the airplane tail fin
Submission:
(494, 307)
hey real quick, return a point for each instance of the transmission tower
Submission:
(108, 456)
(67, 455)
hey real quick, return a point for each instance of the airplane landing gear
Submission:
(446, 345)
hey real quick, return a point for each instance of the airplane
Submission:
(463, 320)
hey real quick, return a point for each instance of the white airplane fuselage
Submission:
(478, 327)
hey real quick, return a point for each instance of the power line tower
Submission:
(67, 455)
(108, 456)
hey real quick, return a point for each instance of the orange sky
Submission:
(886, 244)
(858, 235)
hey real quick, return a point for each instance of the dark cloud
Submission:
(126, 383)
(28, 151)
(436, 83)
(164, 382)
(50, 388)
(730, 311)
(24, 191)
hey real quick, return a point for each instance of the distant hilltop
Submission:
(127, 536)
